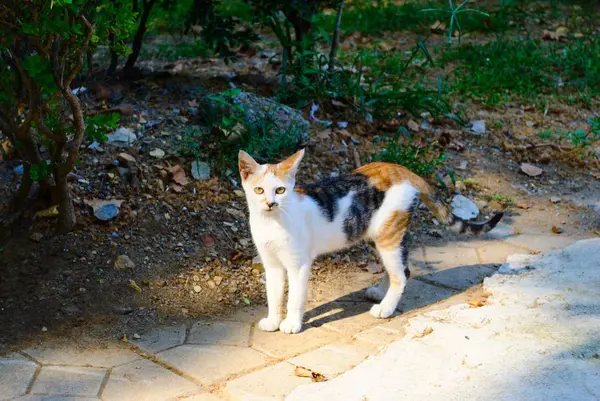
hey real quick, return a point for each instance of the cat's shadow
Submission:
(420, 292)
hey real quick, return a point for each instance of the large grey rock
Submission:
(257, 110)
(535, 339)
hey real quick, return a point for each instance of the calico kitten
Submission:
(293, 225)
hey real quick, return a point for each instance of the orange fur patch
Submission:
(391, 232)
(383, 175)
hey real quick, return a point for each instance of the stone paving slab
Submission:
(498, 252)
(460, 278)
(100, 357)
(418, 294)
(332, 359)
(67, 380)
(280, 345)
(144, 380)
(541, 243)
(15, 376)
(201, 397)
(272, 383)
(342, 317)
(249, 314)
(53, 398)
(447, 257)
(379, 335)
(161, 338)
(220, 332)
(349, 290)
(210, 364)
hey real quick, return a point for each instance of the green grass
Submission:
(401, 149)
(582, 140)
(373, 17)
(504, 70)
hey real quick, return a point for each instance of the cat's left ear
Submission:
(247, 165)
(290, 165)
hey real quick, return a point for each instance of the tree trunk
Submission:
(136, 46)
(22, 193)
(114, 57)
(335, 41)
(66, 218)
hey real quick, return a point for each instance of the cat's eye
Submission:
(280, 190)
(259, 190)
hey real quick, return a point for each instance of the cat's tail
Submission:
(441, 210)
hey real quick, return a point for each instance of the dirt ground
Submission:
(192, 249)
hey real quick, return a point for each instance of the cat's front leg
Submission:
(275, 276)
(298, 275)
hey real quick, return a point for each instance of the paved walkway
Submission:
(230, 359)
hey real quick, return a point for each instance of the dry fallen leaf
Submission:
(207, 240)
(531, 170)
(477, 302)
(428, 330)
(301, 371)
(134, 285)
(52, 211)
(179, 176)
(557, 230)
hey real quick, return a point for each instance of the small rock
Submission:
(211, 284)
(157, 153)
(124, 262)
(123, 136)
(218, 280)
(44, 328)
(200, 170)
(36, 237)
(529, 124)
(555, 199)
(463, 208)
(531, 170)
(197, 288)
(463, 165)
(557, 230)
(136, 336)
(413, 126)
(126, 159)
(521, 204)
(19, 170)
(123, 310)
(96, 146)
(478, 127)
(107, 212)
(239, 193)
(434, 233)
(460, 186)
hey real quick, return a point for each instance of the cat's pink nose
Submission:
(271, 204)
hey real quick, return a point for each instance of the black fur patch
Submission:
(367, 199)
(404, 257)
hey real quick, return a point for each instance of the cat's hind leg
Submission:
(394, 256)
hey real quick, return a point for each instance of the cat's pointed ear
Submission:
(290, 165)
(246, 164)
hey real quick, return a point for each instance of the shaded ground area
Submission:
(192, 250)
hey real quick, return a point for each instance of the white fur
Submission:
(294, 233)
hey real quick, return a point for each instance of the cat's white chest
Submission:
(270, 234)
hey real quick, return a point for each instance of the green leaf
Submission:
(246, 300)
(40, 171)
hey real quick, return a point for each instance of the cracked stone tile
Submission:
(161, 338)
(144, 380)
(67, 380)
(16, 374)
(332, 359)
(271, 383)
(105, 357)
(220, 332)
(210, 364)
(280, 345)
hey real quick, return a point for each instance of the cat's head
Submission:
(268, 186)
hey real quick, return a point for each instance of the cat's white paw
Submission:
(374, 294)
(381, 312)
(290, 326)
(267, 324)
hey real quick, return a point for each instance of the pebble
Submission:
(36, 237)
(478, 127)
(107, 212)
(211, 284)
(197, 288)
(218, 280)
(555, 199)
(157, 153)
(200, 170)
(122, 310)
(124, 262)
